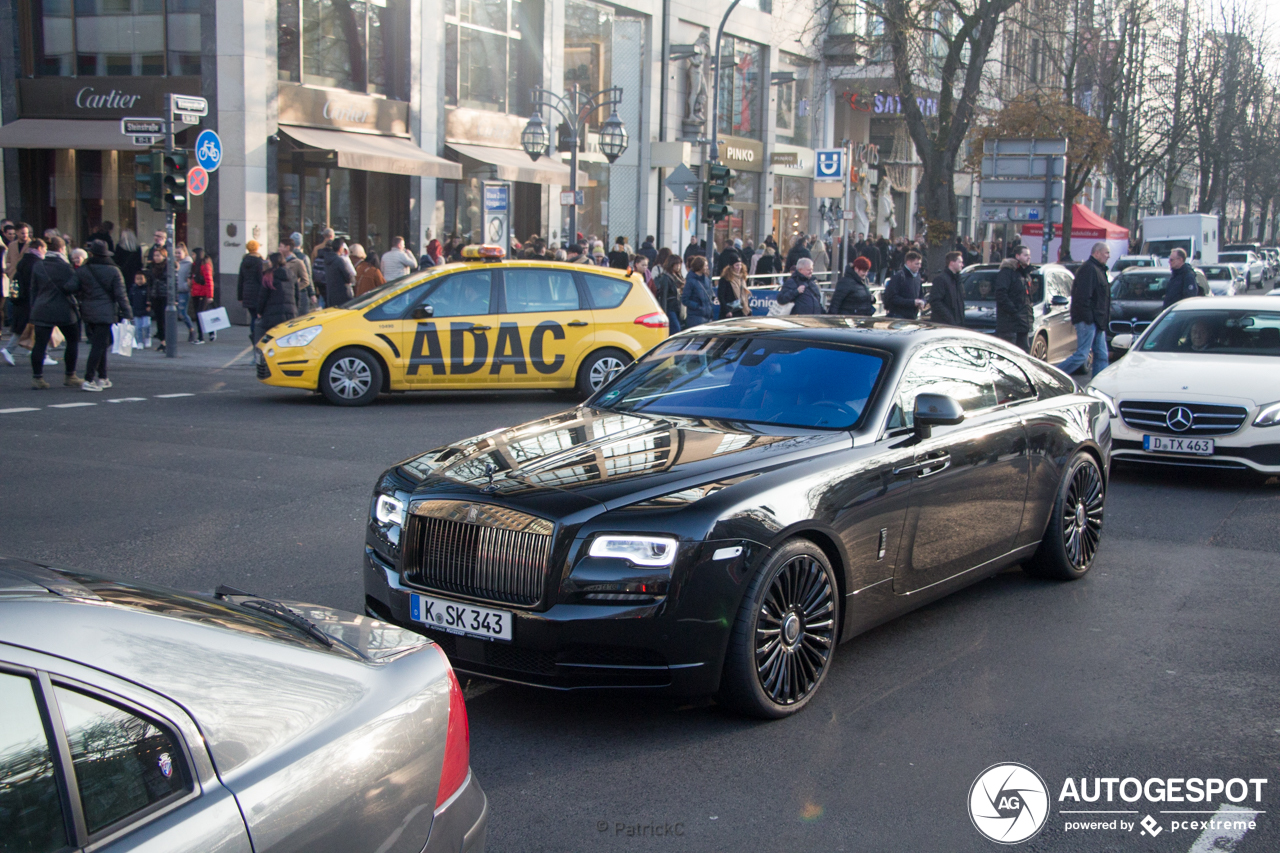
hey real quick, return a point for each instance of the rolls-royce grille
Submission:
(1187, 419)
(477, 550)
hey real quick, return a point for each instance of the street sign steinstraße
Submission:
(142, 126)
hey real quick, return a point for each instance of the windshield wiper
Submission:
(281, 613)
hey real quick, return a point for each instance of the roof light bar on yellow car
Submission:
(483, 252)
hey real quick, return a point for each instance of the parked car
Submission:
(1053, 338)
(138, 718)
(1200, 387)
(745, 496)
(1223, 279)
(1248, 264)
(1125, 262)
(1137, 298)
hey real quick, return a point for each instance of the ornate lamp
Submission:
(534, 138)
(613, 137)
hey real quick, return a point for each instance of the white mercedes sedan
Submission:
(1199, 387)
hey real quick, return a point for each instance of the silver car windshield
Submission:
(1218, 331)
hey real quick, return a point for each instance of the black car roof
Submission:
(884, 333)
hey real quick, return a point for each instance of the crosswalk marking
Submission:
(15, 411)
(18, 409)
(128, 400)
(171, 396)
(71, 405)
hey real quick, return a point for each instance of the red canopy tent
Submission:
(1087, 228)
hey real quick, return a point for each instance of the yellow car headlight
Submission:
(300, 338)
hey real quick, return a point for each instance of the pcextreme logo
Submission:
(1009, 804)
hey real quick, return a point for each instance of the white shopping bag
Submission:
(213, 320)
(122, 338)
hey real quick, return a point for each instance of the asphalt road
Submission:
(1163, 662)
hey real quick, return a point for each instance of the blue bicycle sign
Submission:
(209, 150)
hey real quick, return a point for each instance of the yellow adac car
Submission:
(484, 323)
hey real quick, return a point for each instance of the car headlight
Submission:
(300, 338)
(389, 510)
(1105, 398)
(641, 550)
(1269, 416)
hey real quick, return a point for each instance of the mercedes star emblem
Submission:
(1179, 419)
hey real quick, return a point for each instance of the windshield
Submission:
(752, 379)
(1144, 286)
(1218, 331)
(1216, 273)
(1124, 264)
(367, 299)
(1234, 258)
(980, 285)
(1163, 248)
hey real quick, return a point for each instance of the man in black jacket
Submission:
(1182, 280)
(1090, 312)
(904, 294)
(53, 285)
(647, 249)
(339, 274)
(248, 283)
(946, 298)
(1014, 315)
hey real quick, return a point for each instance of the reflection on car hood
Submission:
(596, 456)
(1242, 379)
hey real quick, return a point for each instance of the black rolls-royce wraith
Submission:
(730, 507)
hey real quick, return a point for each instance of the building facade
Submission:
(385, 118)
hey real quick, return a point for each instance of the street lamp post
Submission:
(574, 106)
(714, 154)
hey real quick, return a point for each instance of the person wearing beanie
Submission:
(249, 283)
(852, 296)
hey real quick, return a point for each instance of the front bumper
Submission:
(295, 367)
(573, 646)
(1247, 449)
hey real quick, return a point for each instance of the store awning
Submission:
(81, 134)
(370, 153)
(518, 166)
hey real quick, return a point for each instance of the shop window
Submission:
(740, 111)
(360, 45)
(113, 38)
(493, 54)
(588, 49)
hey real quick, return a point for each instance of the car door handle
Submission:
(480, 328)
(932, 464)
(577, 323)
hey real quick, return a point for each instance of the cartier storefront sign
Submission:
(100, 97)
(307, 106)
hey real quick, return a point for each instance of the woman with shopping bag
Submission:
(102, 300)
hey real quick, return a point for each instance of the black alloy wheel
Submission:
(1075, 527)
(785, 635)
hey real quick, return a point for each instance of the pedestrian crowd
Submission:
(57, 295)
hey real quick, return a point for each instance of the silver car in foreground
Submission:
(144, 719)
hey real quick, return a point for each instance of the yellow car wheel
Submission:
(599, 368)
(351, 377)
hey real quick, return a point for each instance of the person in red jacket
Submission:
(202, 287)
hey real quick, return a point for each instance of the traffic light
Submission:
(148, 171)
(175, 179)
(716, 193)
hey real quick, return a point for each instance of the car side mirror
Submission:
(1059, 299)
(422, 312)
(935, 410)
(1122, 341)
